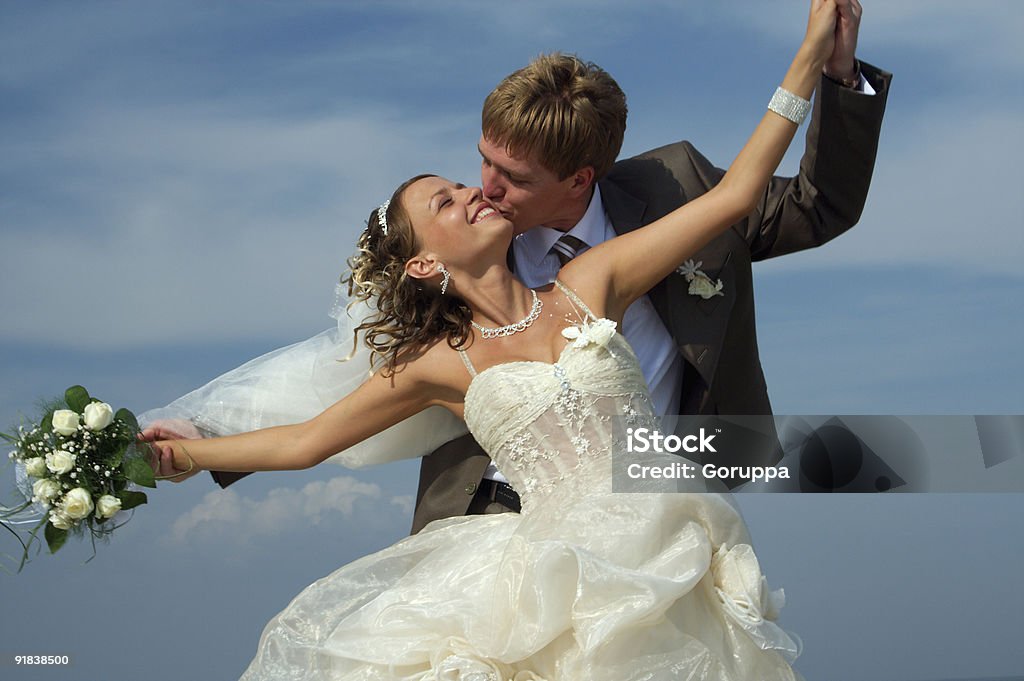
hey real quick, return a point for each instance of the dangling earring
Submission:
(447, 277)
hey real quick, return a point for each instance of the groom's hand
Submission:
(162, 459)
(842, 64)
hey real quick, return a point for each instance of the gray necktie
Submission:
(567, 248)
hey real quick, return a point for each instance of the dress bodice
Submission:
(553, 426)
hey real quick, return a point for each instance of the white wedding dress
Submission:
(583, 585)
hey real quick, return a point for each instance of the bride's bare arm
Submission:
(633, 263)
(377, 404)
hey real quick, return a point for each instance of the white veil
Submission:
(297, 382)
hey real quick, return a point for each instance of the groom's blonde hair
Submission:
(560, 110)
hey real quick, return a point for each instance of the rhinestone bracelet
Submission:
(791, 107)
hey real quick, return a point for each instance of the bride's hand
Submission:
(820, 39)
(161, 454)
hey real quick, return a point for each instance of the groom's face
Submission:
(523, 190)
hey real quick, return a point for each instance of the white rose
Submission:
(601, 331)
(36, 466)
(739, 579)
(65, 421)
(77, 503)
(60, 521)
(457, 659)
(701, 286)
(45, 490)
(98, 415)
(60, 461)
(107, 506)
(598, 332)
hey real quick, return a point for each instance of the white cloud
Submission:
(224, 514)
(406, 504)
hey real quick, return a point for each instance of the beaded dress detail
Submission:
(584, 584)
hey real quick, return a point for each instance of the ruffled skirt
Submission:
(624, 587)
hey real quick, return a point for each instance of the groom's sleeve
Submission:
(828, 195)
(224, 479)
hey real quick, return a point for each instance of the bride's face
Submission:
(455, 223)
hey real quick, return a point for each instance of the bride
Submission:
(583, 584)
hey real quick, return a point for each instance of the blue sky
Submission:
(180, 183)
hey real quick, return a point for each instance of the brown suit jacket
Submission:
(716, 337)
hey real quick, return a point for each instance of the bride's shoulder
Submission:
(435, 363)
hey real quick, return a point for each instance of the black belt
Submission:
(500, 492)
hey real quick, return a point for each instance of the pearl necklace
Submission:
(509, 329)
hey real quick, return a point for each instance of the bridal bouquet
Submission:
(74, 470)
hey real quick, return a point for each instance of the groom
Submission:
(694, 333)
(550, 135)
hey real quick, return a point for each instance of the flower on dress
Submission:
(457, 660)
(742, 588)
(599, 332)
(700, 283)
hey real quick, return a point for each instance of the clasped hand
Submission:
(162, 456)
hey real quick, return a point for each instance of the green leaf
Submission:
(117, 456)
(77, 398)
(131, 499)
(47, 423)
(139, 472)
(54, 538)
(128, 418)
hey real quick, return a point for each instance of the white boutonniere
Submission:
(598, 332)
(700, 283)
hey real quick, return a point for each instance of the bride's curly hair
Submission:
(409, 313)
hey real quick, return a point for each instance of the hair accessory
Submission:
(791, 107)
(447, 277)
(509, 329)
(382, 216)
